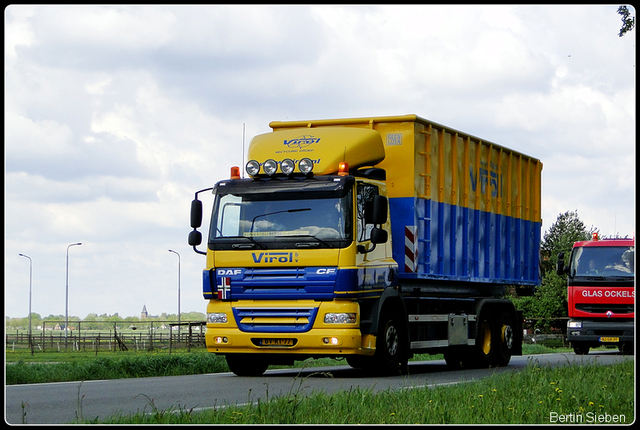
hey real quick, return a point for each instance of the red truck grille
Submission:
(603, 308)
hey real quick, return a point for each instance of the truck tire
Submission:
(246, 364)
(458, 357)
(361, 362)
(580, 349)
(391, 351)
(506, 337)
(486, 350)
(626, 348)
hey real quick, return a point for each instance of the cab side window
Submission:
(365, 200)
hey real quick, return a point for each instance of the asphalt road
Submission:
(67, 402)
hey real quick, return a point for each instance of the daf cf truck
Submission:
(369, 239)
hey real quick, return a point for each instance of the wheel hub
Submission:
(507, 336)
(392, 341)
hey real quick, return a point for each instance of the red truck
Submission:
(601, 294)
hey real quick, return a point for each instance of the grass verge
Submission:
(537, 395)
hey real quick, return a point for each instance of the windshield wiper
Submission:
(307, 245)
(276, 212)
(245, 245)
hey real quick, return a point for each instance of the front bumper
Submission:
(256, 337)
(315, 343)
(598, 332)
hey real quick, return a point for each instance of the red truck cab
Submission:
(601, 294)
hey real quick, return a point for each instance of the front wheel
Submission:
(246, 364)
(580, 349)
(391, 351)
(361, 362)
(626, 348)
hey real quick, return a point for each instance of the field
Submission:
(537, 395)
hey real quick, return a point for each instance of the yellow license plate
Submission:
(609, 339)
(276, 342)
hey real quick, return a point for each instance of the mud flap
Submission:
(519, 331)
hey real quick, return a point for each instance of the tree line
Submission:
(94, 321)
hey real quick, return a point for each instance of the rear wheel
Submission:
(246, 364)
(487, 350)
(458, 357)
(486, 343)
(506, 337)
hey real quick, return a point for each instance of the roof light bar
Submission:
(287, 167)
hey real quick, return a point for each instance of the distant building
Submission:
(144, 313)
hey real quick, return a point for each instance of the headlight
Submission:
(287, 166)
(252, 167)
(305, 165)
(574, 324)
(217, 318)
(270, 166)
(341, 318)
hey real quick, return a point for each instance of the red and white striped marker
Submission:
(410, 249)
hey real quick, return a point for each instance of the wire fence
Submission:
(104, 336)
(164, 335)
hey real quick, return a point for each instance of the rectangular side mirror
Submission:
(379, 215)
(195, 238)
(196, 213)
(379, 235)
(560, 269)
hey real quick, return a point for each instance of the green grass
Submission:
(536, 395)
(25, 368)
(113, 366)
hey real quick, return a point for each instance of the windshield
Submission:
(270, 219)
(603, 261)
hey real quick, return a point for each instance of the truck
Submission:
(370, 240)
(600, 293)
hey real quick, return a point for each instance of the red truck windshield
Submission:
(603, 261)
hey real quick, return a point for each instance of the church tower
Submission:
(144, 314)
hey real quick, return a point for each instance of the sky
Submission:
(116, 115)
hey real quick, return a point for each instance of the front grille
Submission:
(292, 283)
(603, 308)
(274, 320)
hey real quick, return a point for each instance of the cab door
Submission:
(374, 261)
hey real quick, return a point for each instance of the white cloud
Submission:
(115, 27)
(116, 115)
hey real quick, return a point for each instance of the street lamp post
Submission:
(66, 305)
(178, 290)
(30, 284)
